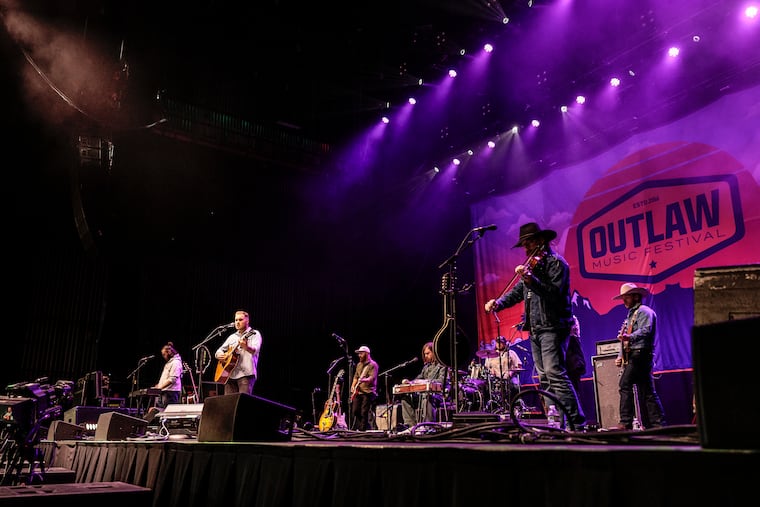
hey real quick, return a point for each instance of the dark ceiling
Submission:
(326, 71)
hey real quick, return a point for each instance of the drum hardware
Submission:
(486, 353)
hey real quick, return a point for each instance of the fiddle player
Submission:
(421, 407)
(544, 289)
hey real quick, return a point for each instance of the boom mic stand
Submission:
(449, 328)
(389, 406)
(200, 368)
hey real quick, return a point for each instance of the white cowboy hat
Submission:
(363, 348)
(631, 288)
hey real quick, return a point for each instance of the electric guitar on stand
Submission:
(332, 406)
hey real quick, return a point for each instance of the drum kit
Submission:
(480, 390)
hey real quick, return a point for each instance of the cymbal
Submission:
(487, 353)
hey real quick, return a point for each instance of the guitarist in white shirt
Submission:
(243, 346)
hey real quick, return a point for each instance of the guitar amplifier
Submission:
(607, 347)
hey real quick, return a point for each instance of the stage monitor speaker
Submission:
(116, 426)
(242, 417)
(387, 416)
(606, 394)
(726, 415)
(61, 430)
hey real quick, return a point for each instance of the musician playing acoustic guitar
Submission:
(240, 352)
(363, 389)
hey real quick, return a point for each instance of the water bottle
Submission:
(552, 417)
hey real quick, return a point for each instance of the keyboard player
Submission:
(422, 405)
(170, 382)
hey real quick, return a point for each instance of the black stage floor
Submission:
(478, 463)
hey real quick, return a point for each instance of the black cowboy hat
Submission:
(532, 230)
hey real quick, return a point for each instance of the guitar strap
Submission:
(629, 327)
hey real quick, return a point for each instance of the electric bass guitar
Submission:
(228, 362)
(332, 406)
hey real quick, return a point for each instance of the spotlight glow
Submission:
(580, 99)
(515, 129)
(488, 48)
(535, 123)
(673, 52)
(452, 73)
(491, 144)
(614, 82)
(385, 119)
(751, 11)
(412, 100)
(505, 20)
(456, 161)
(469, 152)
(563, 109)
(436, 169)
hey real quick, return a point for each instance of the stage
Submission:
(450, 465)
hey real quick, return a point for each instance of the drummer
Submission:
(505, 365)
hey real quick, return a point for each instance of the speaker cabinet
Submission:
(726, 416)
(242, 417)
(726, 293)
(606, 394)
(116, 426)
(387, 416)
(89, 415)
(61, 430)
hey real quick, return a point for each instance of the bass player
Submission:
(239, 356)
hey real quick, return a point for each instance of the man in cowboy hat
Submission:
(636, 356)
(544, 287)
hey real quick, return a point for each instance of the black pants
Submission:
(360, 409)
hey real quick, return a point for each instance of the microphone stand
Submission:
(135, 376)
(449, 292)
(389, 406)
(198, 369)
(348, 382)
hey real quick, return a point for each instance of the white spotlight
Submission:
(412, 100)
(563, 109)
(452, 73)
(488, 48)
(614, 82)
(514, 129)
(385, 119)
(491, 144)
(673, 52)
(535, 123)
(580, 99)
(456, 161)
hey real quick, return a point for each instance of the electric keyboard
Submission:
(151, 391)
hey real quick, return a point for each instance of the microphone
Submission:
(339, 338)
(231, 324)
(147, 358)
(484, 228)
(412, 360)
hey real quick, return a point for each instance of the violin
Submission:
(535, 257)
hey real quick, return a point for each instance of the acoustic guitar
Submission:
(332, 406)
(228, 362)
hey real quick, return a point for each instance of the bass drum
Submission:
(471, 397)
(442, 346)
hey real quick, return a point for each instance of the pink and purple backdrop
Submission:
(650, 210)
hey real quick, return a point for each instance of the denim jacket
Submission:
(547, 300)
